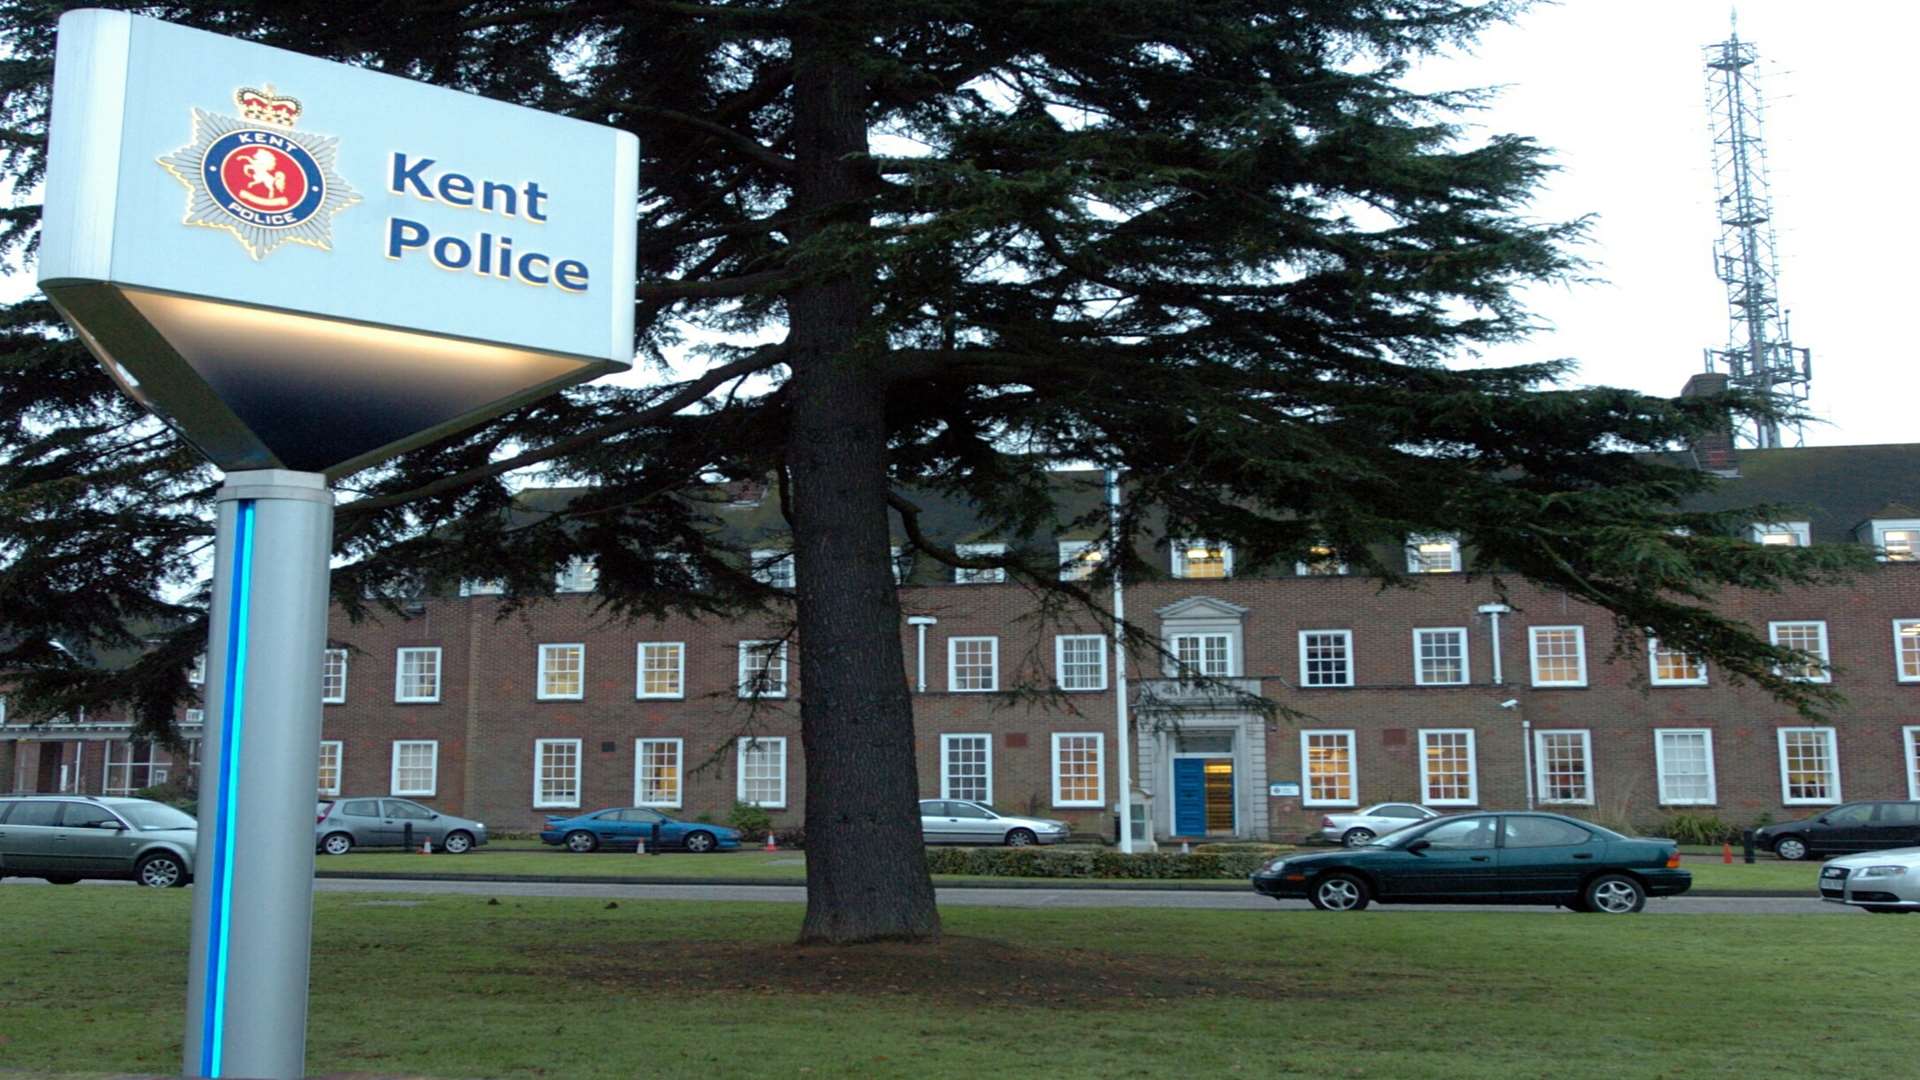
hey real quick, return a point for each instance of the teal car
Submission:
(627, 827)
(1498, 858)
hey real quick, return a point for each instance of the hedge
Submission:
(1090, 862)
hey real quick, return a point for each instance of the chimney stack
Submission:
(1713, 451)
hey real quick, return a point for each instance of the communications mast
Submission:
(1759, 356)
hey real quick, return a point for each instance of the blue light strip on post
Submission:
(239, 601)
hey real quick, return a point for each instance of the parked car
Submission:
(344, 824)
(64, 838)
(626, 827)
(963, 821)
(1861, 826)
(1363, 826)
(1883, 882)
(1516, 858)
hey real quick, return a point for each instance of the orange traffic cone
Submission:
(771, 845)
(642, 849)
(426, 847)
(1726, 852)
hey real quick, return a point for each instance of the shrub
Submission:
(1705, 829)
(177, 794)
(753, 822)
(794, 837)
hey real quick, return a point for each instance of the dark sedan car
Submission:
(627, 827)
(1861, 826)
(1517, 858)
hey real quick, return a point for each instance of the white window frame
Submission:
(1825, 654)
(640, 650)
(582, 575)
(1799, 530)
(327, 658)
(1466, 659)
(1833, 766)
(1660, 767)
(1900, 671)
(1533, 656)
(393, 772)
(1884, 526)
(400, 674)
(1175, 670)
(1653, 668)
(1910, 740)
(1541, 772)
(947, 741)
(1307, 797)
(1060, 661)
(1079, 559)
(773, 567)
(898, 559)
(965, 576)
(953, 665)
(1417, 562)
(740, 769)
(1473, 769)
(776, 658)
(1302, 568)
(1346, 679)
(540, 691)
(1099, 767)
(539, 754)
(640, 790)
(194, 718)
(338, 753)
(197, 671)
(1179, 551)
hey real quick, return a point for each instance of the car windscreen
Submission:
(155, 816)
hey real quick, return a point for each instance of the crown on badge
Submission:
(266, 107)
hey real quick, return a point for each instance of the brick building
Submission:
(1434, 693)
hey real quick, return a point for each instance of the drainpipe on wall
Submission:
(1123, 740)
(920, 624)
(1493, 613)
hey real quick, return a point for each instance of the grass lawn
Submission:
(92, 980)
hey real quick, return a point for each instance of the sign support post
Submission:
(253, 870)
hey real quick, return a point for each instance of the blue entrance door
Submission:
(1190, 796)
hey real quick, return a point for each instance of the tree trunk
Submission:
(866, 862)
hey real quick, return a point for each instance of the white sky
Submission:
(1617, 89)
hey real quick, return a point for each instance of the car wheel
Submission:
(1339, 892)
(1020, 837)
(699, 842)
(1356, 837)
(161, 870)
(1614, 894)
(581, 841)
(337, 843)
(457, 843)
(62, 879)
(1790, 848)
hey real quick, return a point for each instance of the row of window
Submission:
(1563, 766)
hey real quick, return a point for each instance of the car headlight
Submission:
(1055, 827)
(1882, 871)
(1272, 866)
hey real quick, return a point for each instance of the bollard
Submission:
(655, 849)
(407, 832)
(1746, 843)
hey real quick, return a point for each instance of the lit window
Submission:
(1683, 761)
(1809, 767)
(197, 671)
(556, 772)
(1440, 656)
(1080, 661)
(1806, 637)
(763, 669)
(1321, 562)
(1672, 667)
(1326, 658)
(773, 569)
(973, 664)
(1202, 559)
(416, 767)
(1563, 763)
(1898, 540)
(1906, 650)
(490, 587)
(1433, 554)
(967, 576)
(763, 772)
(1080, 558)
(1079, 769)
(1327, 757)
(417, 675)
(1910, 740)
(656, 772)
(581, 575)
(333, 677)
(195, 718)
(1207, 656)
(1781, 534)
(663, 669)
(1559, 655)
(1448, 776)
(330, 752)
(562, 672)
(966, 767)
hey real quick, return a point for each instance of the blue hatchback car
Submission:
(627, 827)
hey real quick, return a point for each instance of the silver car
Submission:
(1883, 882)
(65, 838)
(1361, 826)
(961, 821)
(345, 824)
